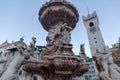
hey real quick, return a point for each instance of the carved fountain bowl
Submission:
(70, 65)
(52, 13)
(61, 65)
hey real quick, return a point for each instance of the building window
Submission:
(95, 41)
(92, 67)
(93, 72)
(0, 54)
(86, 78)
(91, 24)
(94, 37)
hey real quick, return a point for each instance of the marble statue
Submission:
(51, 35)
(114, 71)
(82, 51)
(52, 47)
(108, 70)
(65, 30)
(102, 65)
(31, 47)
(12, 68)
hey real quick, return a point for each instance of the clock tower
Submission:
(95, 38)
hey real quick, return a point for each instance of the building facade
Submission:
(91, 72)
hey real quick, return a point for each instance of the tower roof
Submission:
(90, 17)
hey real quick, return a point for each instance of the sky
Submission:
(19, 18)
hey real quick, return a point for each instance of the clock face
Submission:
(92, 29)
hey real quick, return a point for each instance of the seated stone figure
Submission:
(52, 47)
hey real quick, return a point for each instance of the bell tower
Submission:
(95, 38)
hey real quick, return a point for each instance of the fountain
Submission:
(57, 61)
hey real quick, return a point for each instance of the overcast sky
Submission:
(20, 18)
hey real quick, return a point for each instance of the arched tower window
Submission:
(91, 24)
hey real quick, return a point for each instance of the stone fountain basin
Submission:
(58, 64)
